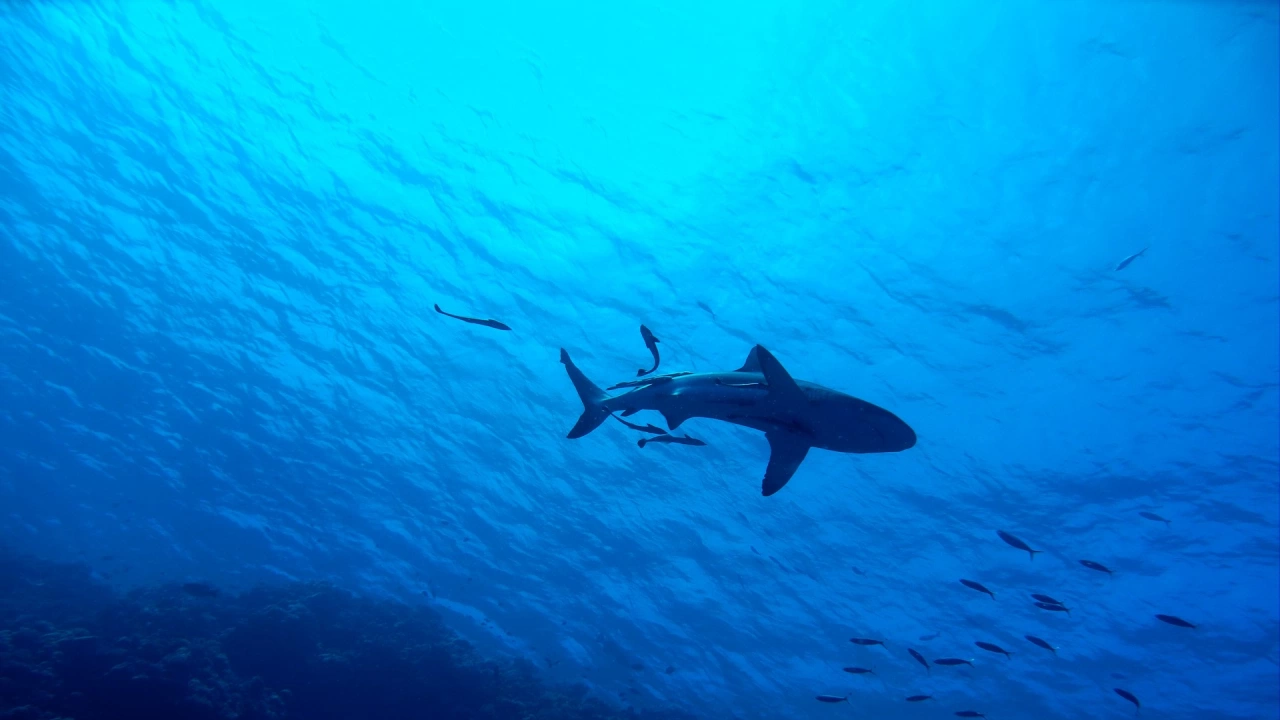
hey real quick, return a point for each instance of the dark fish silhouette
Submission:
(977, 586)
(1015, 542)
(795, 417)
(832, 698)
(1045, 599)
(970, 714)
(952, 661)
(1175, 620)
(650, 342)
(859, 671)
(199, 589)
(704, 307)
(919, 698)
(992, 647)
(858, 570)
(645, 382)
(1096, 566)
(647, 427)
(671, 440)
(1153, 516)
(931, 636)
(865, 641)
(474, 321)
(1125, 262)
(920, 659)
(1053, 607)
(1137, 706)
(1037, 641)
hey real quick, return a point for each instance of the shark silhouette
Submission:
(794, 415)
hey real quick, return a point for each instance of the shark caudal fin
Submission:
(594, 412)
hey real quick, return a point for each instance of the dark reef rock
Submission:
(70, 649)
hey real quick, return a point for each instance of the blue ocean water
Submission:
(224, 225)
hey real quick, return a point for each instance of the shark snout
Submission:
(895, 435)
(903, 436)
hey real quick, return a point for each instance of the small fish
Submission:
(859, 570)
(650, 342)
(1045, 599)
(930, 636)
(1131, 698)
(919, 698)
(977, 586)
(1015, 542)
(992, 647)
(1175, 620)
(970, 714)
(952, 661)
(1155, 517)
(1053, 607)
(744, 385)
(645, 382)
(920, 659)
(647, 427)
(1037, 641)
(832, 698)
(704, 307)
(1096, 566)
(865, 641)
(859, 671)
(671, 440)
(475, 321)
(1125, 262)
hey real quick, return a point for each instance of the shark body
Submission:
(794, 415)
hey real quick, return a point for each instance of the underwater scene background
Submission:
(246, 470)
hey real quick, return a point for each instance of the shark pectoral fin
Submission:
(786, 452)
(753, 361)
(782, 386)
(674, 418)
(629, 412)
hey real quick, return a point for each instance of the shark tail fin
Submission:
(594, 412)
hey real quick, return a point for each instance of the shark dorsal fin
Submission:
(780, 382)
(786, 452)
(753, 361)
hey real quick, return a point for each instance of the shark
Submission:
(794, 415)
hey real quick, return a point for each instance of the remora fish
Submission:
(651, 429)
(475, 321)
(650, 342)
(672, 439)
(652, 380)
(794, 415)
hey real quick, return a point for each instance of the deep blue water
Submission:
(223, 226)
